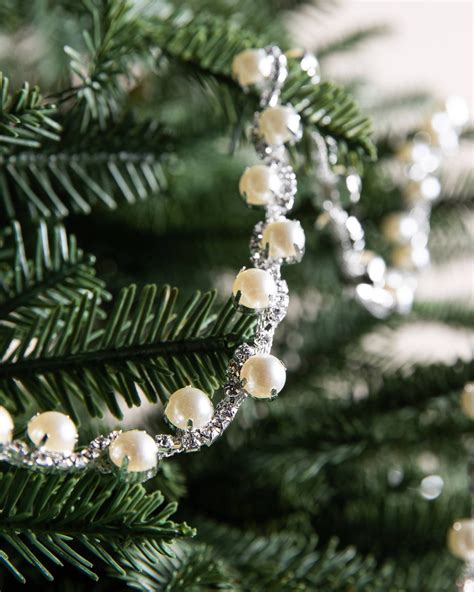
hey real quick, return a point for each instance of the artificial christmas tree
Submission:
(136, 148)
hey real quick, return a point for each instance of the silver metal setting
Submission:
(383, 289)
(95, 455)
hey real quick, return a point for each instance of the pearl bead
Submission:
(263, 376)
(402, 257)
(256, 288)
(252, 66)
(365, 262)
(280, 124)
(259, 184)
(188, 405)
(137, 447)
(412, 193)
(285, 239)
(416, 192)
(6, 426)
(461, 539)
(53, 431)
(399, 228)
(407, 257)
(467, 400)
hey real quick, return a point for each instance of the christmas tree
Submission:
(118, 180)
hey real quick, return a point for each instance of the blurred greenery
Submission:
(321, 490)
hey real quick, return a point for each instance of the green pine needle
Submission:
(25, 120)
(121, 166)
(208, 45)
(146, 343)
(351, 41)
(56, 272)
(77, 520)
(191, 567)
(112, 42)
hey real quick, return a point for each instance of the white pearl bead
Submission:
(399, 228)
(53, 431)
(6, 426)
(259, 184)
(263, 376)
(280, 124)
(366, 262)
(137, 447)
(256, 287)
(467, 400)
(252, 66)
(407, 257)
(187, 405)
(461, 539)
(285, 239)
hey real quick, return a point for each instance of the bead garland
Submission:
(259, 290)
(383, 288)
(460, 537)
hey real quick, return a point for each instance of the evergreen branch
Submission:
(286, 5)
(386, 108)
(451, 233)
(191, 567)
(59, 273)
(144, 343)
(25, 120)
(432, 572)
(386, 513)
(350, 41)
(72, 518)
(243, 561)
(114, 41)
(452, 313)
(468, 133)
(290, 561)
(457, 187)
(332, 432)
(8, 14)
(340, 322)
(208, 47)
(413, 386)
(123, 165)
(457, 190)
